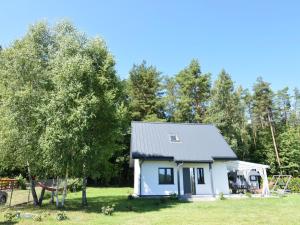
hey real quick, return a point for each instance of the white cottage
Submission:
(182, 158)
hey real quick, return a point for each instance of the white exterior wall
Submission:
(150, 185)
(220, 177)
(136, 177)
(201, 189)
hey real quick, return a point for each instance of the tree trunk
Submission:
(42, 197)
(56, 192)
(32, 187)
(65, 189)
(273, 138)
(84, 199)
(52, 192)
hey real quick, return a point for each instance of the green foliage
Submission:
(74, 184)
(144, 92)
(227, 112)
(192, 93)
(62, 215)
(221, 196)
(21, 182)
(173, 196)
(108, 210)
(9, 215)
(64, 111)
(37, 217)
(294, 185)
(61, 107)
(130, 197)
(249, 194)
(289, 142)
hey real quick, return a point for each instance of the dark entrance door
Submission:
(188, 181)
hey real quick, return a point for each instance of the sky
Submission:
(246, 38)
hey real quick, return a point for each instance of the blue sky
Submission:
(247, 38)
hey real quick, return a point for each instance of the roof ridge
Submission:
(177, 123)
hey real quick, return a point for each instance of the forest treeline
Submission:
(64, 112)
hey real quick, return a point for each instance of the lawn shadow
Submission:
(8, 223)
(122, 204)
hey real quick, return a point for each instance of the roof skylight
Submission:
(174, 138)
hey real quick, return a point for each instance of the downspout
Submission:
(211, 180)
(178, 177)
(141, 162)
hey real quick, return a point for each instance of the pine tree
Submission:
(193, 93)
(263, 111)
(227, 112)
(283, 105)
(170, 98)
(144, 92)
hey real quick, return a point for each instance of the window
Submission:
(165, 176)
(200, 175)
(174, 138)
(253, 178)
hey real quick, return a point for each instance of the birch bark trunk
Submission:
(32, 187)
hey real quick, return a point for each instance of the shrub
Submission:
(248, 194)
(130, 197)
(221, 196)
(108, 210)
(37, 217)
(173, 196)
(9, 215)
(294, 185)
(45, 214)
(21, 182)
(61, 216)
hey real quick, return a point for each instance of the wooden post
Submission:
(12, 190)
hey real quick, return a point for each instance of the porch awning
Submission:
(246, 168)
(243, 165)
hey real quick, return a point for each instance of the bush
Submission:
(37, 217)
(108, 210)
(9, 215)
(130, 197)
(21, 182)
(248, 194)
(61, 216)
(294, 185)
(221, 196)
(173, 196)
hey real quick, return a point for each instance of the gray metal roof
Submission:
(197, 142)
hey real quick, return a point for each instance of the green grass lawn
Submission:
(284, 210)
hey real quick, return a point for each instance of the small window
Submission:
(165, 176)
(200, 175)
(174, 138)
(253, 178)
